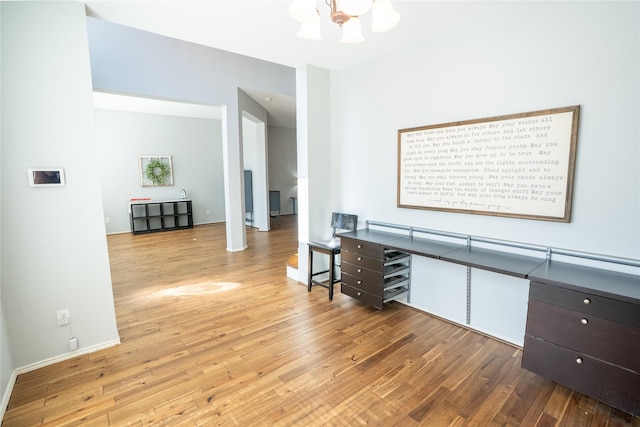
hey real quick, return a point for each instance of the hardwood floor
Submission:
(212, 338)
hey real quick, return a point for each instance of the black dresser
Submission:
(583, 331)
(373, 273)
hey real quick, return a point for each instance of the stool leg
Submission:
(332, 261)
(310, 269)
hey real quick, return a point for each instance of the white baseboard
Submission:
(292, 273)
(7, 395)
(32, 367)
(66, 356)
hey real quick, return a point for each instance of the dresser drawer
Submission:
(583, 302)
(601, 338)
(365, 283)
(363, 261)
(363, 274)
(363, 248)
(365, 297)
(616, 386)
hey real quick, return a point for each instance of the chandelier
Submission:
(347, 16)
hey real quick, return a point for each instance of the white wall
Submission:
(6, 363)
(54, 249)
(283, 170)
(195, 145)
(497, 58)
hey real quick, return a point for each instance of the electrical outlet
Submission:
(64, 318)
(107, 220)
(207, 212)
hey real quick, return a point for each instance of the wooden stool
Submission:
(339, 221)
(328, 248)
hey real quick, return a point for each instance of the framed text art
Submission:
(155, 171)
(519, 165)
(46, 177)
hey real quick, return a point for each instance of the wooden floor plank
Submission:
(211, 337)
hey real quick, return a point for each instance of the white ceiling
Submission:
(264, 29)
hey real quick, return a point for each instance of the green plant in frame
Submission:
(155, 171)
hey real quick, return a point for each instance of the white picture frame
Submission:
(519, 165)
(164, 173)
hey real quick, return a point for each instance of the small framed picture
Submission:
(155, 171)
(46, 177)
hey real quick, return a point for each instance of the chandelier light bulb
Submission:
(384, 16)
(352, 31)
(310, 30)
(303, 10)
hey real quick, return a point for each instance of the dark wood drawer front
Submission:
(614, 342)
(364, 274)
(365, 297)
(616, 386)
(361, 247)
(363, 261)
(618, 311)
(366, 284)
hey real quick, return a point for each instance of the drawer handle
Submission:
(359, 258)
(587, 301)
(359, 270)
(359, 293)
(579, 360)
(359, 282)
(584, 321)
(359, 246)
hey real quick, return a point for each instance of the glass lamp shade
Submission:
(310, 30)
(352, 31)
(354, 7)
(303, 10)
(384, 16)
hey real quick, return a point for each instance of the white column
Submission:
(313, 135)
(233, 179)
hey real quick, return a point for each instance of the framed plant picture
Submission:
(155, 171)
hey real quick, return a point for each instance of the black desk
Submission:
(496, 261)
(583, 323)
(425, 247)
(485, 259)
(583, 331)
(609, 284)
